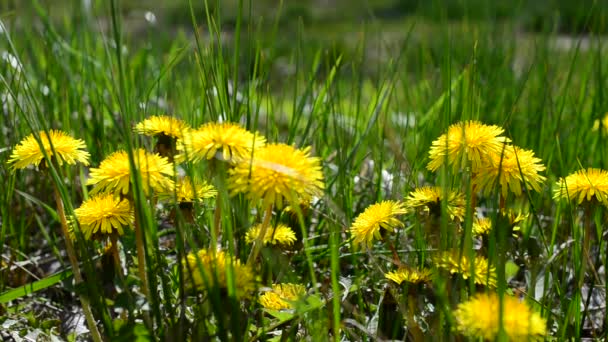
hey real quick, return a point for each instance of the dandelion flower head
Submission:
(369, 223)
(224, 141)
(453, 263)
(187, 190)
(104, 215)
(66, 150)
(603, 123)
(468, 141)
(480, 317)
(409, 275)
(282, 296)
(278, 173)
(207, 269)
(584, 185)
(114, 172)
(279, 235)
(428, 200)
(162, 125)
(513, 168)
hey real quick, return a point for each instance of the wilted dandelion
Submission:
(224, 141)
(207, 270)
(369, 223)
(114, 172)
(280, 235)
(282, 296)
(453, 263)
(278, 173)
(468, 141)
(409, 275)
(513, 168)
(428, 200)
(480, 318)
(104, 215)
(67, 150)
(584, 185)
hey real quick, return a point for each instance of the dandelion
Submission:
(512, 168)
(480, 269)
(65, 149)
(428, 200)
(114, 172)
(480, 318)
(207, 270)
(482, 226)
(369, 223)
(469, 141)
(278, 173)
(224, 141)
(161, 125)
(280, 235)
(409, 275)
(104, 215)
(603, 123)
(188, 191)
(282, 296)
(584, 185)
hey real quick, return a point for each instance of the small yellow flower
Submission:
(104, 215)
(278, 172)
(409, 275)
(480, 318)
(67, 149)
(378, 216)
(224, 141)
(280, 235)
(603, 123)
(513, 168)
(453, 263)
(587, 184)
(207, 270)
(159, 125)
(188, 191)
(282, 296)
(469, 141)
(482, 226)
(114, 172)
(428, 199)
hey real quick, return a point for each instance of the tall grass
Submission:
(369, 100)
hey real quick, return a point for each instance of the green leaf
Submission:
(33, 287)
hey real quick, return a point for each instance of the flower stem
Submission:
(86, 306)
(257, 244)
(141, 257)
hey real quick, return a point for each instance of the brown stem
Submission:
(257, 244)
(86, 306)
(396, 259)
(114, 250)
(217, 221)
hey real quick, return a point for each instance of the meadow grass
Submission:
(369, 100)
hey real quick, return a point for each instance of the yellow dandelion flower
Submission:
(187, 190)
(104, 215)
(603, 123)
(428, 200)
(280, 235)
(278, 172)
(378, 216)
(469, 141)
(114, 172)
(68, 150)
(482, 226)
(480, 318)
(513, 168)
(208, 269)
(453, 263)
(409, 275)
(587, 184)
(282, 296)
(224, 141)
(161, 125)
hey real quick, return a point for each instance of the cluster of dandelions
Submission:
(479, 153)
(270, 176)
